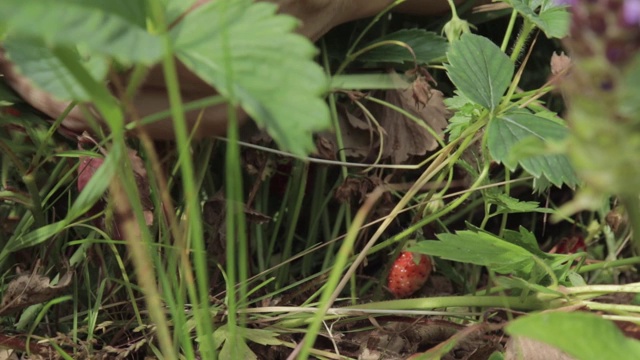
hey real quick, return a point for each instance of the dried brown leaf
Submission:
(30, 289)
(89, 166)
(358, 138)
(421, 91)
(560, 68)
(326, 147)
(525, 348)
(142, 182)
(405, 136)
(402, 137)
(356, 188)
(560, 63)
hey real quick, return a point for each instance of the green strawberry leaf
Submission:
(481, 249)
(526, 240)
(174, 9)
(509, 205)
(238, 49)
(102, 27)
(479, 69)
(426, 45)
(508, 130)
(464, 112)
(38, 63)
(581, 335)
(552, 19)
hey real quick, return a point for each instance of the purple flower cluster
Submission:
(630, 12)
(610, 28)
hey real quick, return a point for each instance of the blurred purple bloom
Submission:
(631, 12)
(565, 2)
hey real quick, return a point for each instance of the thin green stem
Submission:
(351, 57)
(200, 299)
(507, 191)
(366, 30)
(421, 123)
(509, 31)
(341, 261)
(610, 264)
(512, 302)
(527, 28)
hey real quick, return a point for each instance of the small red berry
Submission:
(570, 245)
(408, 275)
(10, 110)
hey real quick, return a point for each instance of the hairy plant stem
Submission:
(527, 29)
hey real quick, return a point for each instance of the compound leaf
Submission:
(510, 129)
(480, 249)
(94, 25)
(240, 49)
(479, 69)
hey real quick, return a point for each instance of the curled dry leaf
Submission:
(525, 348)
(356, 188)
(421, 91)
(359, 138)
(90, 165)
(402, 137)
(30, 289)
(325, 147)
(86, 170)
(560, 63)
(560, 67)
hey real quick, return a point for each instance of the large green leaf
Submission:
(426, 45)
(582, 335)
(479, 70)
(175, 8)
(552, 19)
(101, 28)
(40, 65)
(481, 249)
(508, 130)
(134, 12)
(252, 57)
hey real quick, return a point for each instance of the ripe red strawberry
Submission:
(406, 276)
(10, 110)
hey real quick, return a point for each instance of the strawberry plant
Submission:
(509, 169)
